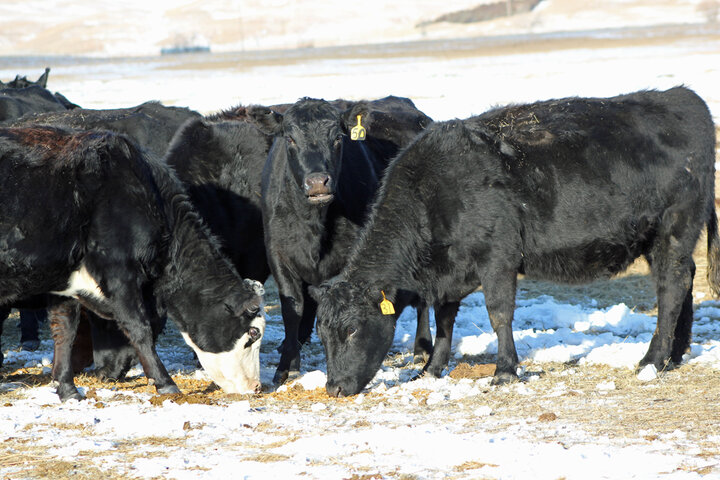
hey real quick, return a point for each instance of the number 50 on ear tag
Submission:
(386, 306)
(358, 131)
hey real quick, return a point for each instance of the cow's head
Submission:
(355, 333)
(312, 135)
(225, 333)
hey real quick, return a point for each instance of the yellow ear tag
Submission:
(358, 131)
(386, 306)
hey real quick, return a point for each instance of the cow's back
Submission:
(576, 188)
(592, 178)
(151, 125)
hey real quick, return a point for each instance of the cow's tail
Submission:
(713, 252)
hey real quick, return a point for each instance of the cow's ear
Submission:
(318, 292)
(267, 120)
(349, 117)
(377, 294)
(42, 81)
(383, 298)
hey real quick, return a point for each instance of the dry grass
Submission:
(686, 400)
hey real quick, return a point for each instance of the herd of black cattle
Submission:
(119, 219)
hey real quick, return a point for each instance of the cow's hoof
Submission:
(503, 378)
(434, 372)
(280, 377)
(105, 374)
(420, 358)
(30, 345)
(68, 392)
(660, 365)
(285, 376)
(168, 390)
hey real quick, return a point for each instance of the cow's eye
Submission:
(338, 139)
(351, 331)
(254, 333)
(253, 312)
(289, 140)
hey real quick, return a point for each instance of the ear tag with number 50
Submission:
(358, 131)
(386, 306)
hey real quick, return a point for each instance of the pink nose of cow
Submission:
(318, 188)
(317, 184)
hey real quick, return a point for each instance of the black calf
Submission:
(568, 190)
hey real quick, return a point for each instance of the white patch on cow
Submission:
(238, 370)
(81, 282)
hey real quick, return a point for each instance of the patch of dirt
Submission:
(472, 466)
(34, 462)
(181, 398)
(464, 370)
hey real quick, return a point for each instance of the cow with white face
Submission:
(87, 217)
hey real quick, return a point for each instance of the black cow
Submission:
(151, 125)
(220, 163)
(568, 190)
(316, 189)
(32, 101)
(86, 215)
(16, 102)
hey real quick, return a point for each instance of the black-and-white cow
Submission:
(568, 190)
(151, 126)
(85, 215)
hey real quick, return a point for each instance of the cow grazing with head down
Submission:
(219, 163)
(316, 188)
(569, 190)
(85, 215)
(151, 126)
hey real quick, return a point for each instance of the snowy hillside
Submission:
(136, 27)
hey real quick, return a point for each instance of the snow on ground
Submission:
(429, 428)
(440, 437)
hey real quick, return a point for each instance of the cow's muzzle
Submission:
(319, 188)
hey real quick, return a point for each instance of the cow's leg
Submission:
(293, 313)
(4, 313)
(135, 317)
(672, 268)
(82, 347)
(683, 329)
(63, 319)
(499, 289)
(29, 326)
(423, 348)
(444, 322)
(307, 321)
(112, 352)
